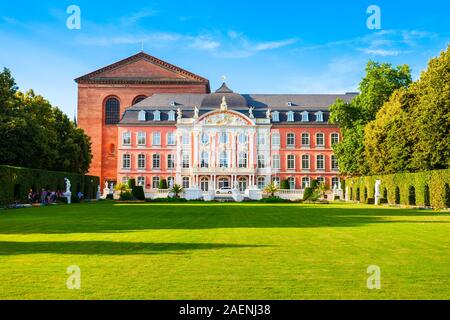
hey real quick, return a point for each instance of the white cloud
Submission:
(137, 16)
(380, 52)
(204, 43)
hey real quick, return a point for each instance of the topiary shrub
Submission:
(126, 196)
(138, 193)
(285, 185)
(131, 183)
(308, 193)
(163, 184)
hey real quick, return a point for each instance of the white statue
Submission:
(377, 192)
(68, 193)
(106, 184)
(68, 185)
(111, 188)
(269, 114)
(171, 183)
(196, 113)
(250, 112)
(223, 105)
(98, 193)
(179, 114)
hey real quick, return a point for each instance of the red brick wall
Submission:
(91, 98)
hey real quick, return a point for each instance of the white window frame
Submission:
(156, 161)
(243, 159)
(336, 134)
(317, 139)
(126, 138)
(156, 115)
(171, 115)
(306, 159)
(305, 116)
(290, 161)
(155, 182)
(276, 161)
(141, 138)
(156, 138)
(171, 139)
(275, 116)
(141, 161)
(320, 158)
(126, 161)
(261, 161)
(170, 161)
(276, 139)
(290, 139)
(185, 161)
(306, 135)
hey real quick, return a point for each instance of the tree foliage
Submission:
(37, 135)
(380, 81)
(412, 130)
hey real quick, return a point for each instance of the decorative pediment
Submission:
(224, 119)
(141, 68)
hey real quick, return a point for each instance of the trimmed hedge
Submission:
(428, 188)
(15, 183)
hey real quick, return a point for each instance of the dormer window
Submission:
(156, 116)
(141, 116)
(290, 116)
(275, 116)
(171, 114)
(319, 116)
(289, 104)
(305, 116)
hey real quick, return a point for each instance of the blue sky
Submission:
(261, 46)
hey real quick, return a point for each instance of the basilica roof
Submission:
(283, 103)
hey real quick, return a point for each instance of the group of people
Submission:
(48, 196)
(44, 197)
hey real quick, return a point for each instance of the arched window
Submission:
(112, 111)
(242, 184)
(204, 184)
(139, 99)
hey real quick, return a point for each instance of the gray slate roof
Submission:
(208, 102)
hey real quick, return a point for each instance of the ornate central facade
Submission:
(183, 134)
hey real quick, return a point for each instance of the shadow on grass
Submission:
(109, 218)
(108, 247)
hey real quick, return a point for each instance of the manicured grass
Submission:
(223, 251)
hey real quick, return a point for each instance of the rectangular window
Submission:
(291, 140)
(275, 139)
(243, 160)
(305, 139)
(320, 139)
(126, 161)
(156, 139)
(223, 137)
(155, 182)
(291, 161)
(334, 138)
(126, 138)
(141, 181)
(334, 163)
(305, 161)
(291, 181)
(186, 182)
(170, 161)
(320, 162)
(261, 161)
(276, 161)
(261, 138)
(305, 182)
(156, 163)
(141, 138)
(141, 161)
(185, 161)
(170, 139)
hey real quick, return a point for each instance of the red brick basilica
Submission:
(150, 120)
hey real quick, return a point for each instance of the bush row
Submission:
(15, 183)
(428, 188)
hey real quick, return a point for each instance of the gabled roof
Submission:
(162, 72)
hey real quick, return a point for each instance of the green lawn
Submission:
(223, 251)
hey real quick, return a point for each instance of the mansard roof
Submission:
(142, 68)
(283, 103)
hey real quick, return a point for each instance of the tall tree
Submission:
(380, 81)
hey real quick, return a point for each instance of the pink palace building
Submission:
(226, 139)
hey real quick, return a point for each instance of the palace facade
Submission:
(150, 121)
